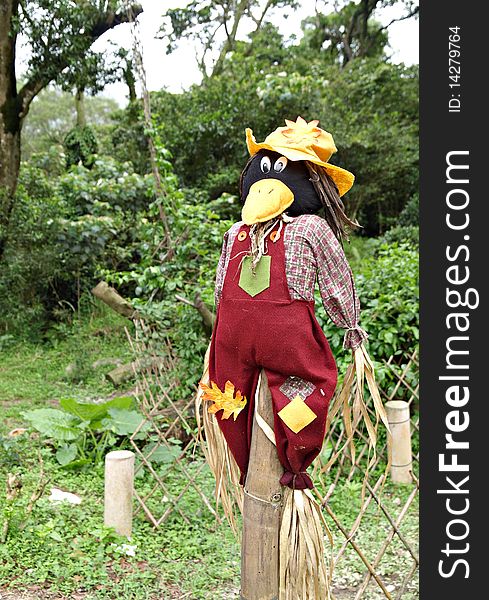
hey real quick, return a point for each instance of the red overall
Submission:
(271, 331)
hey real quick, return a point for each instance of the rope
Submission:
(264, 426)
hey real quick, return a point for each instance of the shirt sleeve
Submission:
(336, 284)
(222, 266)
(221, 270)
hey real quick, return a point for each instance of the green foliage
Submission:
(80, 145)
(340, 35)
(53, 423)
(388, 290)
(14, 450)
(386, 278)
(127, 140)
(410, 213)
(64, 548)
(71, 228)
(201, 21)
(198, 232)
(91, 428)
(24, 282)
(124, 422)
(105, 221)
(403, 234)
(33, 373)
(370, 107)
(75, 225)
(93, 413)
(60, 35)
(52, 115)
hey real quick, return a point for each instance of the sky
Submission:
(179, 70)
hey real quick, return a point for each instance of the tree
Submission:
(351, 31)
(60, 35)
(53, 113)
(205, 20)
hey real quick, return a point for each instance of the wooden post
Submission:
(261, 518)
(119, 481)
(399, 423)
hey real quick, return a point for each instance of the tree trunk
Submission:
(230, 42)
(362, 51)
(9, 173)
(10, 122)
(130, 80)
(81, 117)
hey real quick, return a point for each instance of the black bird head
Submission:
(271, 184)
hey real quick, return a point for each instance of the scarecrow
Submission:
(264, 295)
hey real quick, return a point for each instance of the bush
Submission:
(410, 213)
(65, 229)
(407, 234)
(31, 261)
(197, 234)
(388, 291)
(80, 146)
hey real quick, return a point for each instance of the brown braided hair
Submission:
(334, 209)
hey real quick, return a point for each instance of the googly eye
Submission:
(280, 164)
(265, 164)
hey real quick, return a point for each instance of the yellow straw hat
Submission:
(301, 140)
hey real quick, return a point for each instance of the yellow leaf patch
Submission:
(225, 401)
(297, 415)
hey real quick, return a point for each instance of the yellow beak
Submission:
(266, 199)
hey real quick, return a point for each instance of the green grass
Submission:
(35, 374)
(374, 529)
(64, 552)
(65, 549)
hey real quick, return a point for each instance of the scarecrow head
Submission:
(290, 173)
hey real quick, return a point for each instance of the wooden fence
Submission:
(374, 527)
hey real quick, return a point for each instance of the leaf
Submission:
(124, 422)
(224, 401)
(76, 464)
(53, 423)
(83, 410)
(94, 411)
(125, 402)
(66, 454)
(162, 454)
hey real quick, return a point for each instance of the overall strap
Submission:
(268, 280)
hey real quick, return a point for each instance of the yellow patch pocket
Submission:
(297, 415)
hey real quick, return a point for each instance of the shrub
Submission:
(81, 431)
(80, 146)
(65, 229)
(402, 234)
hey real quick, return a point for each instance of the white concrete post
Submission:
(119, 482)
(400, 425)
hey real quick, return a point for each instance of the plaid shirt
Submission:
(312, 253)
